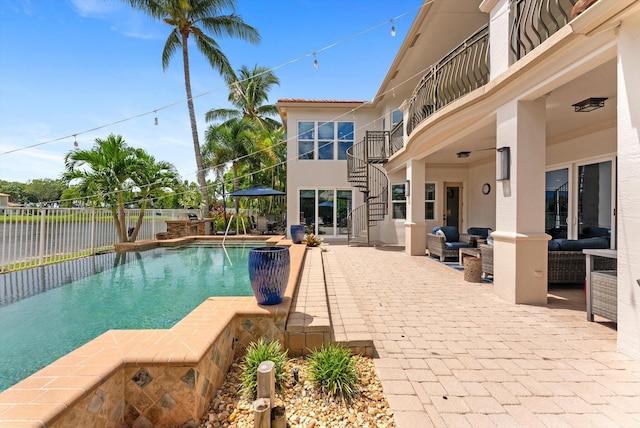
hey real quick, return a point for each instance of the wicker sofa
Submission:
(566, 261)
(444, 242)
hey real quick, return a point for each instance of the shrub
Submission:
(312, 240)
(333, 370)
(258, 352)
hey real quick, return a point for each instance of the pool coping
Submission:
(55, 392)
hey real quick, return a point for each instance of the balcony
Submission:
(534, 21)
(461, 71)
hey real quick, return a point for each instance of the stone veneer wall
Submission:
(182, 228)
(148, 378)
(162, 395)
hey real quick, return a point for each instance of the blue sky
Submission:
(69, 66)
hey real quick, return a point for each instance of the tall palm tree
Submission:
(248, 92)
(196, 18)
(232, 141)
(110, 170)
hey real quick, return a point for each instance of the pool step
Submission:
(324, 312)
(348, 326)
(308, 325)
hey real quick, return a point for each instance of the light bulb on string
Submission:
(393, 91)
(393, 29)
(75, 142)
(315, 61)
(155, 120)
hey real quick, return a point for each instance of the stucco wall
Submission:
(320, 174)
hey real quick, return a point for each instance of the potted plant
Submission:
(269, 273)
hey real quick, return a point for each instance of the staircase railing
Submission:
(464, 69)
(371, 181)
(534, 21)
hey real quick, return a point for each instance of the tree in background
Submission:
(111, 172)
(197, 18)
(232, 142)
(44, 191)
(15, 190)
(248, 92)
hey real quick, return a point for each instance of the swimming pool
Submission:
(152, 289)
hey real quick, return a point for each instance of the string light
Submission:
(393, 29)
(155, 120)
(75, 142)
(315, 64)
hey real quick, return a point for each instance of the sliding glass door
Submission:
(595, 200)
(325, 211)
(580, 201)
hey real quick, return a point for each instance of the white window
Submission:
(398, 201)
(396, 116)
(429, 201)
(324, 140)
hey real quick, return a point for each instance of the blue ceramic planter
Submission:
(269, 273)
(297, 233)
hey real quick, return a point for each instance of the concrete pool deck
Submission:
(452, 354)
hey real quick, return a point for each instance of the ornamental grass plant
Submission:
(333, 370)
(257, 352)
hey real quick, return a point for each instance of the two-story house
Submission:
(518, 115)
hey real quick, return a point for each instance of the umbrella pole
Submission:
(224, 206)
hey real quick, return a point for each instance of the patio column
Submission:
(520, 252)
(415, 226)
(628, 204)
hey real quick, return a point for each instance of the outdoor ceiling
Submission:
(562, 121)
(446, 24)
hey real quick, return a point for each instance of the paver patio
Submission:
(451, 353)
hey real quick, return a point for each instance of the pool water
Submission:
(150, 290)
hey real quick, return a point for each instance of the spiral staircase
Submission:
(364, 173)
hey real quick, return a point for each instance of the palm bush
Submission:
(333, 370)
(312, 240)
(257, 352)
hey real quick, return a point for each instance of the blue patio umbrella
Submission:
(257, 192)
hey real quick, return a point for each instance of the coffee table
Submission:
(472, 251)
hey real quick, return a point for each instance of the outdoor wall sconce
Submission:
(407, 189)
(590, 104)
(504, 164)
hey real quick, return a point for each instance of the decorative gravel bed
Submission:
(305, 405)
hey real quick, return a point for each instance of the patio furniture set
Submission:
(585, 261)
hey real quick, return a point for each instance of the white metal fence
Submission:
(38, 236)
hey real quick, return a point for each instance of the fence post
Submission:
(92, 244)
(43, 220)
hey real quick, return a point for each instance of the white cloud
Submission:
(95, 8)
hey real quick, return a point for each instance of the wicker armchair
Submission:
(486, 253)
(439, 246)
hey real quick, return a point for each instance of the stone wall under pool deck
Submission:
(158, 378)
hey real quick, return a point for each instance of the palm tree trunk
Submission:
(122, 229)
(194, 127)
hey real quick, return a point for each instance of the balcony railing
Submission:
(396, 138)
(464, 69)
(534, 21)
